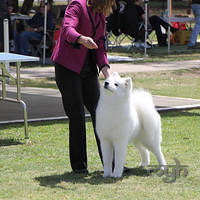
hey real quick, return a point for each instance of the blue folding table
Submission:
(5, 75)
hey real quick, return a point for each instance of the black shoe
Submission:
(80, 171)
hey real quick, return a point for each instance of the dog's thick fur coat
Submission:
(124, 116)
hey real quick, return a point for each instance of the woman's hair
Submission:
(103, 6)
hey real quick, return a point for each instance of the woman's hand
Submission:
(106, 72)
(88, 42)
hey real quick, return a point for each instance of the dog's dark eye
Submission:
(116, 85)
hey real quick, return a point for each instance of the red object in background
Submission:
(179, 25)
(56, 36)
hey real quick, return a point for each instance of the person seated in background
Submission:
(11, 25)
(125, 20)
(34, 29)
(155, 22)
(129, 18)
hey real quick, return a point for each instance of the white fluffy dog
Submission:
(124, 116)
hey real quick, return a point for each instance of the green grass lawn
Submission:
(41, 169)
(178, 83)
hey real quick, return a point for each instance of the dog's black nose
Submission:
(106, 84)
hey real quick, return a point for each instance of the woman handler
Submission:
(79, 55)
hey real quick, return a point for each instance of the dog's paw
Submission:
(163, 167)
(117, 175)
(105, 175)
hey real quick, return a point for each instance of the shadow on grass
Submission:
(94, 178)
(9, 142)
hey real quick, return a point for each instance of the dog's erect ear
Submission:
(115, 74)
(128, 83)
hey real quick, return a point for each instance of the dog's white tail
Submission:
(147, 113)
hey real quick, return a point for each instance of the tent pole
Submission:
(169, 6)
(146, 29)
(45, 32)
(6, 40)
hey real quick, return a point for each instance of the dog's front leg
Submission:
(120, 158)
(107, 152)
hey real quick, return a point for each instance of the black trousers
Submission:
(156, 22)
(78, 91)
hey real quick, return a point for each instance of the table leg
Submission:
(3, 82)
(18, 81)
(20, 101)
(25, 120)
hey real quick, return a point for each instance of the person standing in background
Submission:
(195, 5)
(79, 55)
(4, 13)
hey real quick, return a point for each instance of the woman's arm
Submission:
(106, 72)
(71, 21)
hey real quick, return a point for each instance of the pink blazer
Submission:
(79, 20)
